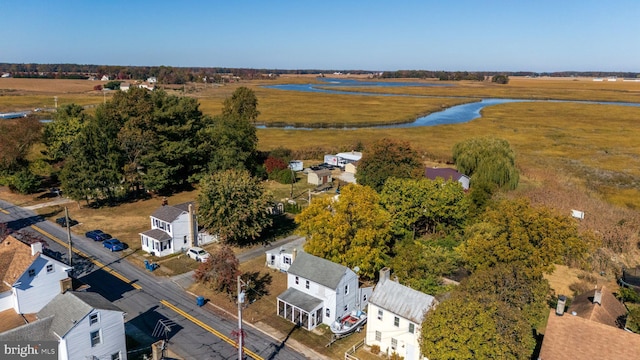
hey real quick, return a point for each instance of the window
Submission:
(394, 343)
(412, 328)
(168, 227)
(49, 268)
(379, 314)
(396, 321)
(297, 280)
(115, 356)
(286, 260)
(378, 336)
(346, 308)
(95, 338)
(346, 289)
(32, 272)
(185, 239)
(306, 284)
(93, 319)
(364, 297)
(328, 313)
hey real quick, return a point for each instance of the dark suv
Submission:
(97, 235)
(62, 221)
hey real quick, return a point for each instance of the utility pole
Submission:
(240, 332)
(66, 215)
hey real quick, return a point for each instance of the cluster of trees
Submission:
(429, 229)
(150, 141)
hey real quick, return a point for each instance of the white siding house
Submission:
(29, 279)
(395, 315)
(282, 257)
(318, 292)
(173, 228)
(85, 325)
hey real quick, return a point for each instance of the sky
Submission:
(373, 35)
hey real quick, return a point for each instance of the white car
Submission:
(198, 254)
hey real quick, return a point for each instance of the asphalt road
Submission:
(156, 308)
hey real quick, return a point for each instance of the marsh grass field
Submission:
(571, 155)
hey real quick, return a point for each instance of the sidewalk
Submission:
(58, 201)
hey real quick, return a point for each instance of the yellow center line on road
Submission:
(95, 262)
(209, 329)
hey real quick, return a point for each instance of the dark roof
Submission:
(610, 311)
(71, 307)
(38, 330)
(569, 337)
(445, 173)
(169, 213)
(300, 300)
(157, 234)
(402, 300)
(322, 172)
(318, 270)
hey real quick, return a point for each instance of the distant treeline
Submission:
(482, 75)
(181, 75)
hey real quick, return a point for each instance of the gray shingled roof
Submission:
(71, 307)
(319, 270)
(169, 213)
(401, 300)
(157, 234)
(38, 330)
(299, 299)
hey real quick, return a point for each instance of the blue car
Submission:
(113, 245)
(97, 235)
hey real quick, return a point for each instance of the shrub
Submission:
(375, 349)
(628, 295)
(24, 182)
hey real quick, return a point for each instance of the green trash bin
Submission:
(200, 300)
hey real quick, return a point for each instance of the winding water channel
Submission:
(453, 115)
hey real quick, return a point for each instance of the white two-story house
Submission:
(85, 325)
(173, 228)
(319, 292)
(29, 279)
(395, 315)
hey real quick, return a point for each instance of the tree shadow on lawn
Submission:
(258, 285)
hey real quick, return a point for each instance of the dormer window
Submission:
(297, 280)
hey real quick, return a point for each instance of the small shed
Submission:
(295, 165)
(319, 177)
(351, 167)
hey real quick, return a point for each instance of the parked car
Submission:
(97, 235)
(198, 254)
(62, 221)
(113, 244)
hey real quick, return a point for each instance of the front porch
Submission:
(157, 242)
(300, 308)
